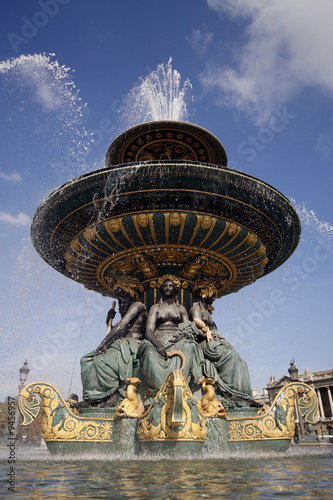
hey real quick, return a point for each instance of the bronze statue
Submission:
(166, 324)
(105, 370)
(223, 363)
(164, 317)
(132, 323)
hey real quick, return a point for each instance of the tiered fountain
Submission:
(166, 204)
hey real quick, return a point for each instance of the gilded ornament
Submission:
(232, 229)
(201, 324)
(129, 286)
(143, 220)
(213, 268)
(131, 406)
(170, 255)
(145, 156)
(206, 222)
(146, 267)
(210, 406)
(175, 218)
(125, 265)
(59, 421)
(158, 423)
(171, 277)
(191, 269)
(68, 257)
(278, 421)
(74, 245)
(261, 250)
(112, 225)
(251, 239)
(208, 291)
(90, 233)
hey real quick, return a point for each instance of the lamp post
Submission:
(24, 371)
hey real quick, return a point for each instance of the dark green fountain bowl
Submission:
(133, 223)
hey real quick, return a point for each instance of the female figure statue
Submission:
(164, 334)
(223, 363)
(104, 371)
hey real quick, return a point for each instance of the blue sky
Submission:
(262, 82)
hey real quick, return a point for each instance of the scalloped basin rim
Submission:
(200, 188)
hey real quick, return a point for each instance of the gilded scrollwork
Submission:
(278, 421)
(59, 421)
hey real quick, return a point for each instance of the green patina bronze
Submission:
(165, 224)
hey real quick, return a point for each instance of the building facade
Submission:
(322, 382)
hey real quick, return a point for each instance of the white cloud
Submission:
(199, 41)
(14, 177)
(324, 145)
(15, 220)
(288, 48)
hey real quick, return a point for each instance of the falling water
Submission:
(158, 96)
(43, 100)
(44, 119)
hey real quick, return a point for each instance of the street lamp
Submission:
(24, 370)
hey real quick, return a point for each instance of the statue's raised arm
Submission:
(130, 311)
(105, 370)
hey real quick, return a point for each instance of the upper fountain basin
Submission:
(166, 140)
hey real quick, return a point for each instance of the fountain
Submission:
(165, 209)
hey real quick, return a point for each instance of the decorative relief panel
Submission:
(190, 245)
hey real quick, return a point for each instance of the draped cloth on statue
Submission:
(213, 359)
(227, 368)
(103, 374)
(155, 368)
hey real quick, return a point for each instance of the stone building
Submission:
(322, 382)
